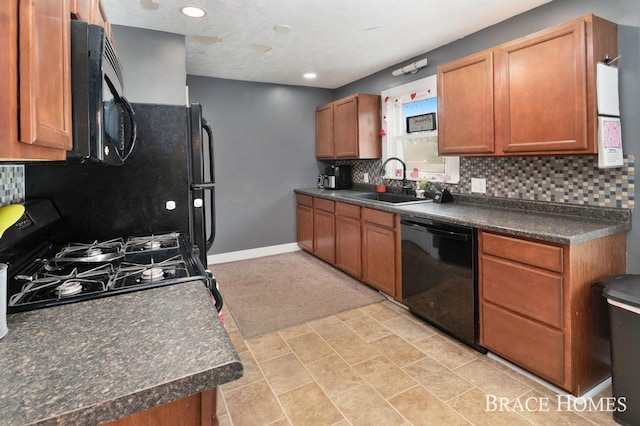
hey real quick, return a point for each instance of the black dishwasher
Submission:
(439, 276)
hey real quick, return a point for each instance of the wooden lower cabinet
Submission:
(194, 410)
(348, 239)
(304, 218)
(379, 250)
(363, 242)
(324, 230)
(537, 307)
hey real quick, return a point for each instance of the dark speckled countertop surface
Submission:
(90, 362)
(566, 224)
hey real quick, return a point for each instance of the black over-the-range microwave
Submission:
(104, 127)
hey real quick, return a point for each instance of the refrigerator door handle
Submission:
(210, 185)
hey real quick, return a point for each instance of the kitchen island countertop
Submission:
(99, 360)
(563, 224)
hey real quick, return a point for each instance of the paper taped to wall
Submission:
(609, 142)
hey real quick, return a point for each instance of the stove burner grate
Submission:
(152, 243)
(105, 251)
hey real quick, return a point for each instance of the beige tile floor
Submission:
(379, 365)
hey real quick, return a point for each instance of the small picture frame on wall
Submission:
(421, 123)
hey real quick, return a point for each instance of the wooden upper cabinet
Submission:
(324, 131)
(349, 128)
(45, 74)
(465, 105)
(35, 86)
(541, 102)
(91, 11)
(544, 93)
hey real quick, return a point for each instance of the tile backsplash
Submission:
(12, 184)
(563, 179)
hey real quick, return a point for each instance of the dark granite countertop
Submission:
(566, 224)
(90, 362)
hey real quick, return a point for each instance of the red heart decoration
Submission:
(386, 98)
(413, 95)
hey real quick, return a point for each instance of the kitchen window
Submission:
(410, 127)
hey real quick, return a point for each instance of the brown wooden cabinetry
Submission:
(194, 410)
(91, 11)
(536, 305)
(349, 128)
(348, 239)
(379, 249)
(35, 85)
(363, 242)
(324, 230)
(304, 218)
(531, 96)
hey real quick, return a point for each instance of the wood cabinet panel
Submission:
(378, 217)
(324, 205)
(45, 74)
(345, 127)
(194, 410)
(465, 105)
(349, 128)
(324, 235)
(525, 342)
(529, 291)
(304, 219)
(348, 245)
(532, 253)
(542, 100)
(324, 131)
(532, 96)
(378, 257)
(34, 125)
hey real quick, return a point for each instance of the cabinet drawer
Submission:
(532, 292)
(325, 205)
(528, 252)
(532, 345)
(305, 200)
(348, 210)
(378, 217)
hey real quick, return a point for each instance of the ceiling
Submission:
(339, 40)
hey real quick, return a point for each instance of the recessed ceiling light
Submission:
(193, 12)
(282, 28)
(310, 75)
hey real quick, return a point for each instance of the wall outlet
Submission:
(365, 178)
(479, 185)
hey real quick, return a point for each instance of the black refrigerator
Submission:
(166, 185)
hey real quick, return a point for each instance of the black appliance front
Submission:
(161, 187)
(104, 125)
(439, 276)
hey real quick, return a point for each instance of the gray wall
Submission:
(626, 13)
(153, 64)
(264, 136)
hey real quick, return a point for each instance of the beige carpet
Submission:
(275, 292)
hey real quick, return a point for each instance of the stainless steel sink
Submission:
(389, 198)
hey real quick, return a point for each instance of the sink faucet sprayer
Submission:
(406, 188)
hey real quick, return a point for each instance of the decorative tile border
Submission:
(12, 184)
(565, 179)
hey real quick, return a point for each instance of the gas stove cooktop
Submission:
(77, 272)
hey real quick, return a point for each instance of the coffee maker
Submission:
(337, 177)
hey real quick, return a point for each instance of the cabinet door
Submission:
(378, 257)
(541, 99)
(45, 75)
(465, 105)
(348, 239)
(304, 218)
(324, 131)
(345, 127)
(324, 235)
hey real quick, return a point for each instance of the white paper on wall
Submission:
(609, 142)
(607, 90)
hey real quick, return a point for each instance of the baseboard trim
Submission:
(233, 256)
